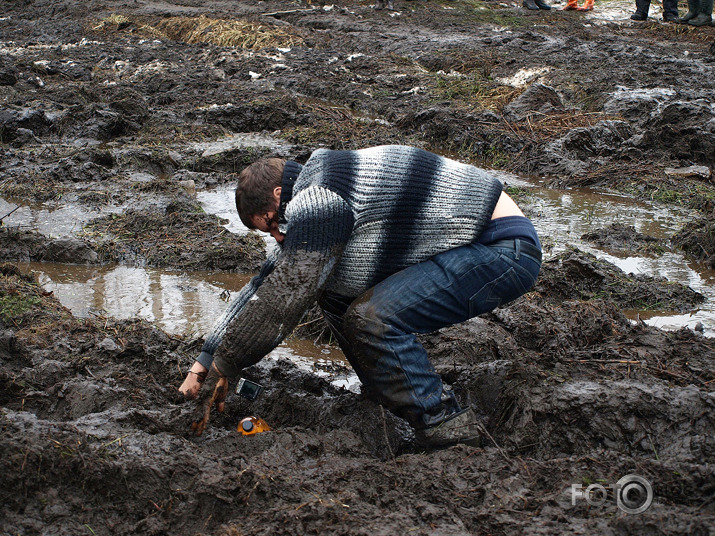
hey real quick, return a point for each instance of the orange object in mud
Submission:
(252, 425)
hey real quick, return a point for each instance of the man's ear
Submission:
(277, 194)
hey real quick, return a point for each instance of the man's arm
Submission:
(319, 226)
(213, 340)
(197, 374)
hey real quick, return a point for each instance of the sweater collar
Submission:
(291, 170)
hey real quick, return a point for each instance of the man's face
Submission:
(268, 221)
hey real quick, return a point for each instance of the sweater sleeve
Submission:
(214, 338)
(319, 226)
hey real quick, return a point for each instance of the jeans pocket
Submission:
(503, 289)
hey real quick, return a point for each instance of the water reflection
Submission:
(51, 218)
(566, 215)
(177, 302)
(186, 304)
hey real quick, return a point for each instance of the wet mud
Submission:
(126, 110)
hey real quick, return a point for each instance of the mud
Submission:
(130, 108)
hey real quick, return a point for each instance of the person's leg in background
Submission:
(693, 10)
(705, 14)
(670, 10)
(642, 8)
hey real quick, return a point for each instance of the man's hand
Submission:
(194, 378)
(213, 391)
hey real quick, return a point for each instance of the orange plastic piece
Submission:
(252, 425)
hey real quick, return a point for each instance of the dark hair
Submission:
(254, 192)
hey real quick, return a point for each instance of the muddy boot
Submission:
(587, 6)
(531, 4)
(642, 7)
(701, 20)
(571, 5)
(379, 4)
(705, 17)
(449, 427)
(693, 9)
(542, 5)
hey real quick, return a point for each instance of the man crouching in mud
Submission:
(390, 241)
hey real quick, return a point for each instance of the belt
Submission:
(519, 246)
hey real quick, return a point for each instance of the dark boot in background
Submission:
(705, 17)
(670, 10)
(693, 9)
(531, 4)
(642, 8)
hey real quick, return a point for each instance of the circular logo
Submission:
(634, 494)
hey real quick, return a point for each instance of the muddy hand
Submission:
(194, 378)
(213, 391)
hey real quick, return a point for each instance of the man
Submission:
(391, 241)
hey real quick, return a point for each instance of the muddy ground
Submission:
(135, 105)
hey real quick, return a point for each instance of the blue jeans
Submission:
(377, 331)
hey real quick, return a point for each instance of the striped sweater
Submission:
(352, 218)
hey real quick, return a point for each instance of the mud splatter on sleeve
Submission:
(319, 225)
(246, 293)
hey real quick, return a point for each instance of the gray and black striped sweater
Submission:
(352, 219)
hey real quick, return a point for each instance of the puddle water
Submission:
(188, 304)
(180, 303)
(565, 215)
(51, 219)
(221, 202)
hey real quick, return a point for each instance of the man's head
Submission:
(258, 195)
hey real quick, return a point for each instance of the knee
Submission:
(362, 320)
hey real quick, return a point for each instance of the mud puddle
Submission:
(189, 303)
(181, 304)
(565, 216)
(50, 218)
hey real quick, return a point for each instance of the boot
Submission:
(587, 6)
(459, 427)
(531, 4)
(542, 5)
(693, 10)
(705, 17)
(701, 20)
(571, 5)
(642, 8)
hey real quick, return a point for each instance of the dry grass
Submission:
(555, 125)
(226, 33)
(243, 34)
(114, 21)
